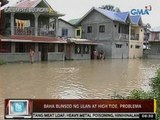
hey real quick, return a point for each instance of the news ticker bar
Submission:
(87, 115)
(65, 108)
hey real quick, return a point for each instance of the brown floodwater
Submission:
(95, 79)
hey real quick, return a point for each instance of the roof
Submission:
(74, 21)
(32, 4)
(136, 19)
(42, 39)
(66, 22)
(28, 3)
(83, 41)
(155, 29)
(34, 39)
(115, 16)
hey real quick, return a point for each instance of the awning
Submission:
(83, 41)
(33, 39)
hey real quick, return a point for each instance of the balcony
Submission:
(122, 37)
(135, 37)
(31, 31)
(24, 31)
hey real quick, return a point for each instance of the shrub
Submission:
(2, 62)
(153, 93)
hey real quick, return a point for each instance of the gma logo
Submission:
(142, 11)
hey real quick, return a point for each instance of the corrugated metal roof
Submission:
(135, 19)
(116, 16)
(27, 3)
(35, 39)
(155, 29)
(74, 21)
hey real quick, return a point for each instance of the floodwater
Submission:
(86, 79)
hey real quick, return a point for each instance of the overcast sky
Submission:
(77, 8)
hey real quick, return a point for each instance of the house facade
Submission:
(113, 29)
(65, 29)
(136, 38)
(154, 41)
(26, 26)
(33, 24)
(75, 48)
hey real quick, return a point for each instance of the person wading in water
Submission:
(31, 53)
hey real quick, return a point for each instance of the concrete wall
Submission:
(120, 52)
(95, 19)
(133, 51)
(155, 49)
(107, 48)
(17, 57)
(24, 57)
(81, 56)
(56, 56)
(154, 52)
(63, 25)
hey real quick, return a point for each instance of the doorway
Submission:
(44, 52)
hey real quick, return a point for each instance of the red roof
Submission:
(27, 3)
(36, 39)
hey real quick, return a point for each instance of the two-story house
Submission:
(76, 48)
(27, 26)
(118, 31)
(136, 37)
(154, 42)
(33, 24)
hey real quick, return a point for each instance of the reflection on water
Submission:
(74, 79)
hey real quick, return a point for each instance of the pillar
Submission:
(13, 47)
(12, 23)
(36, 15)
(37, 58)
(56, 47)
(56, 27)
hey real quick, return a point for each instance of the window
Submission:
(85, 49)
(131, 46)
(102, 28)
(24, 47)
(64, 32)
(89, 29)
(118, 45)
(123, 29)
(137, 46)
(60, 47)
(5, 47)
(78, 32)
(51, 47)
(77, 49)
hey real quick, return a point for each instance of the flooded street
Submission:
(74, 79)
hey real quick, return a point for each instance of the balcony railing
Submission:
(122, 36)
(156, 38)
(135, 37)
(46, 32)
(24, 31)
(31, 31)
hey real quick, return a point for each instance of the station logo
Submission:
(145, 11)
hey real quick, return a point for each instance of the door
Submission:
(68, 51)
(44, 52)
(92, 51)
